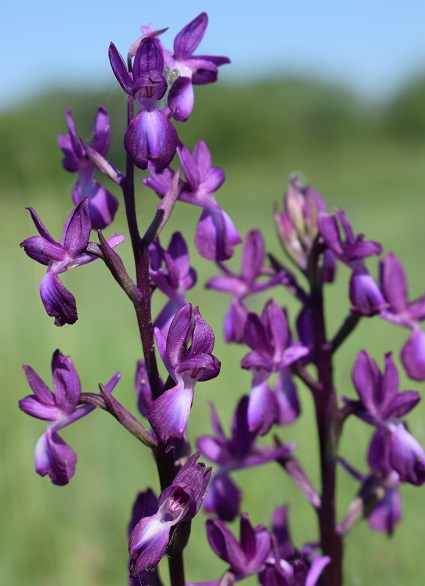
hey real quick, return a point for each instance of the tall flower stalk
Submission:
(178, 344)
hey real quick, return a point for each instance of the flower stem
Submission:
(328, 426)
(142, 305)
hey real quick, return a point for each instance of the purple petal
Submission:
(65, 382)
(38, 386)
(101, 138)
(40, 226)
(149, 58)
(317, 565)
(393, 282)
(77, 228)
(188, 39)
(168, 415)
(119, 68)
(145, 505)
(181, 98)
(253, 256)
(34, 407)
(223, 498)
(387, 513)
(102, 204)
(204, 70)
(55, 458)
(329, 231)
(413, 355)
(178, 335)
(212, 449)
(215, 235)
(366, 378)
(143, 390)
(403, 403)
(151, 137)
(224, 544)
(189, 166)
(256, 336)
(148, 543)
(234, 322)
(202, 337)
(365, 294)
(407, 456)
(70, 162)
(287, 399)
(57, 300)
(262, 409)
(42, 250)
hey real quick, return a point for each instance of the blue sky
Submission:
(372, 46)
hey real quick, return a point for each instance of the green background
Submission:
(368, 159)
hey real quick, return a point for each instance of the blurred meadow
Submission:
(365, 157)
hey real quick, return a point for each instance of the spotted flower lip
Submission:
(61, 256)
(102, 204)
(176, 504)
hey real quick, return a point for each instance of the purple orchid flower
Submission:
(176, 504)
(61, 256)
(185, 69)
(297, 224)
(365, 295)
(382, 406)
(150, 136)
(270, 340)
(245, 557)
(238, 452)
(405, 313)
(244, 284)
(272, 352)
(52, 455)
(187, 365)
(102, 204)
(285, 565)
(216, 234)
(145, 505)
(296, 573)
(172, 274)
(379, 497)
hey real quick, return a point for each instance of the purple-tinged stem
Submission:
(345, 330)
(164, 461)
(328, 425)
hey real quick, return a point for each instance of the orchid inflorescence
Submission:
(160, 83)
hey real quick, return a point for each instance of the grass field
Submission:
(55, 536)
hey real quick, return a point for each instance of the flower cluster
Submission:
(178, 343)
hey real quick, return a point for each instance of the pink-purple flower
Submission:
(102, 204)
(401, 311)
(178, 503)
(216, 234)
(52, 455)
(189, 69)
(150, 135)
(61, 256)
(187, 355)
